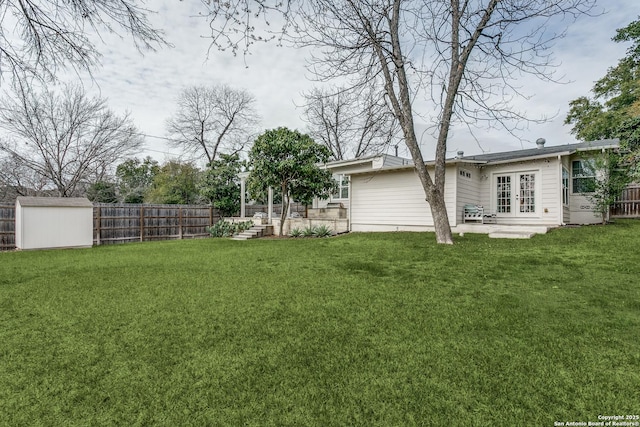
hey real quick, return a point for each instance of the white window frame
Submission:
(344, 182)
(566, 178)
(514, 205)
(583, 176)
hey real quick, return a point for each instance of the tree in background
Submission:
(68, 139)
(288, 160)
(612, 177)
(613, 112)
(18, 180)
(466, 57)
(351, 123)
(614, 109)
(213, 120)
(220, 184)
(135, 177)
(38, 38)
(175, 183)
(103, 192)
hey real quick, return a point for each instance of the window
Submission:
(527, 193)
(343, 187)
(584, 176)
(503, 196)
(565, 186)
(464, 173)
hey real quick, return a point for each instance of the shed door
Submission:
(516, 195)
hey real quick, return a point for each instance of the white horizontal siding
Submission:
(548, 187)
(394, 201)
(468, 190)
(580, 207)
(54, 227)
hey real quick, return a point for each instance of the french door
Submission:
(516, 195)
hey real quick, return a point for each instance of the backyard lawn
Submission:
(382, 329)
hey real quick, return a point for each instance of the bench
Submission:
(473, 213)
(476, 213)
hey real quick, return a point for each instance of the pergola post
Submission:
(270, 202)
(243, 193)
(243, 196)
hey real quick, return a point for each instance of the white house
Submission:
(540, 187)
(343, 169)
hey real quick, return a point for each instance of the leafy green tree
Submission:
(220, 184)
(135, 177)
(614, 109)
(176, 183)
(613, 112)
(614, 176)
(286, 159)
(103, 192)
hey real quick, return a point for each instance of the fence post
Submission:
(210, 216)
(180, 223)
(142, 223)
(98, 223)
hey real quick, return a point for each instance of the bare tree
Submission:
(39, 37)
(213, 120)
(350, 123)
(68, 140)
(466, 55)
(18, 180)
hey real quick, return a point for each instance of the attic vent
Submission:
(540, 142)
(459, 154)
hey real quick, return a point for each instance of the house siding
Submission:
(395, 201)
(468, 192)
(566, 211)
(580, 207)
(548, 189)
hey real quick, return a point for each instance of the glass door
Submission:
(515, 194)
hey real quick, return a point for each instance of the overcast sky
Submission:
(147, 85)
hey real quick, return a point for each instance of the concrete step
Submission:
(508, 234)
(254, 232)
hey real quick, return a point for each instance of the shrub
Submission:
(296, 232)
(224, 228)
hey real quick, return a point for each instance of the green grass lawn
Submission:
(363, 329)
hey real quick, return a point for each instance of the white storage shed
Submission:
(53, 222)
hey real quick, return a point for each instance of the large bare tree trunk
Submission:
(400, 99)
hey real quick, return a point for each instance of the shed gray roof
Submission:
(542, 152)
(67, 202)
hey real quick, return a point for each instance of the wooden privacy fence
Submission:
(121, 223)
(7, 227)
(628, 204)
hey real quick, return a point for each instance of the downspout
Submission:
(350, 198)
(561, 210)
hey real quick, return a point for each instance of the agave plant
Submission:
(322, 231)
(308, 232)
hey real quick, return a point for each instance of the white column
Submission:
(270, 204)
(243, 196)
